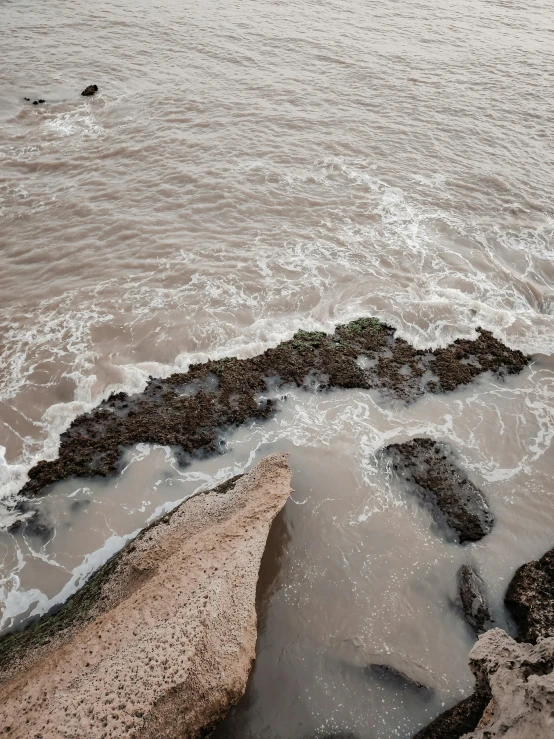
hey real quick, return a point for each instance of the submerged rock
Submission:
(399, 679)
(167, 413)
(90, 90)
(392, 668)
(530, 598)
(160, 641)
(473, 599)
(431, 471)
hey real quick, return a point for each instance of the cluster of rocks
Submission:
(514, 682)
(87, 92)
(514, 693)
(429, 469)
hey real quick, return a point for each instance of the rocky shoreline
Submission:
(191, 412)
(161, 640)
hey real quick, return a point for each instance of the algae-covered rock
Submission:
(530, 598)
(430, 470)
(229, 392)
(458, 720)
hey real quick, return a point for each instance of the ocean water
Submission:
(247, 169)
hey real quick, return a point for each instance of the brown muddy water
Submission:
(247, 169)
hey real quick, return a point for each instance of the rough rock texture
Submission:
(90, 90)
(514, 693)
(521, 680)
(473, 599)
(190, 410)
(530, 598)
(458, 720)
(431, 471)
(159, 643)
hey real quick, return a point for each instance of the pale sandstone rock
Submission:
(521, 680)
(167, 646)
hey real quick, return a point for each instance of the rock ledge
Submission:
(521, 681)
(160, 642)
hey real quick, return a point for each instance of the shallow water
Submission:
(245, 170)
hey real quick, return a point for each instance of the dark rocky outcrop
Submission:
(458, 720)
(530, 599)
(473, 599)
(431, 471)
(90, 90)
(189, 410)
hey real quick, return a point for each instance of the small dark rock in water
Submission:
(458, 720)
(79, 505)
(32, 523)
(530, 599)
(42, 101)
(27, 99)
(15, 526)
(38, 526)
(90, 90)
(473, 599)
(431, 470)
(35, 102)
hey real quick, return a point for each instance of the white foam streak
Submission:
(16, 601)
